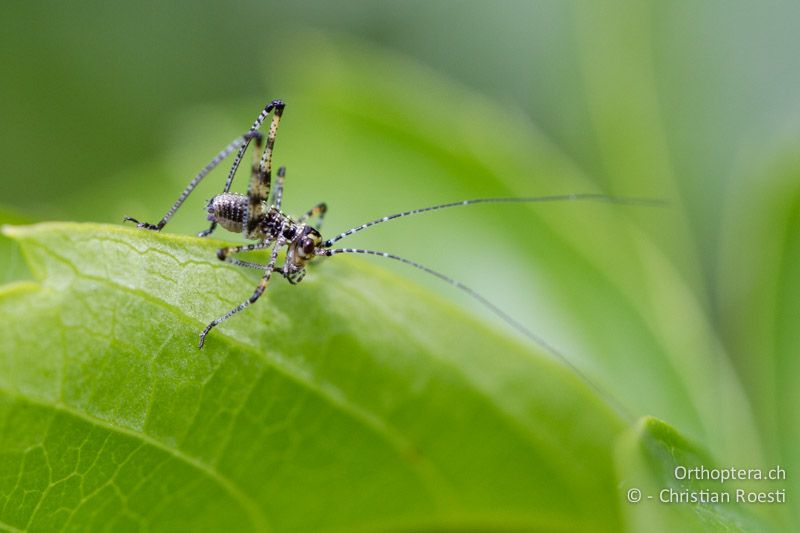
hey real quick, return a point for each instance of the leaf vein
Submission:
(228, 485)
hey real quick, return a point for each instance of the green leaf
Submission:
(762, 300)
(654, 459)
(352, 400)
(13, 267)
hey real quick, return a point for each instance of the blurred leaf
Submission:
(353, 400)
(761, 301)
(646, 460)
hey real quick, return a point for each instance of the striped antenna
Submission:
(590, 197)
(505, 317)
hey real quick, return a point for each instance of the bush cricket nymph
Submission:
(258, 217)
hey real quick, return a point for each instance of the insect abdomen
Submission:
(228, 210)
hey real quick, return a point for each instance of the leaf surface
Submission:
(762, 301)
(354, 393)
(655, 459)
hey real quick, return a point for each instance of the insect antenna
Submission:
(447, 279)
(326, 250)
(508, 319)
(590, 197)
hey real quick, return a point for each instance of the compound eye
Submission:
(307, 246)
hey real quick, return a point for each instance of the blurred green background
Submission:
(685, 313)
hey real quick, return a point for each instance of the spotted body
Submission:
(273, 225)
(228, 210)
